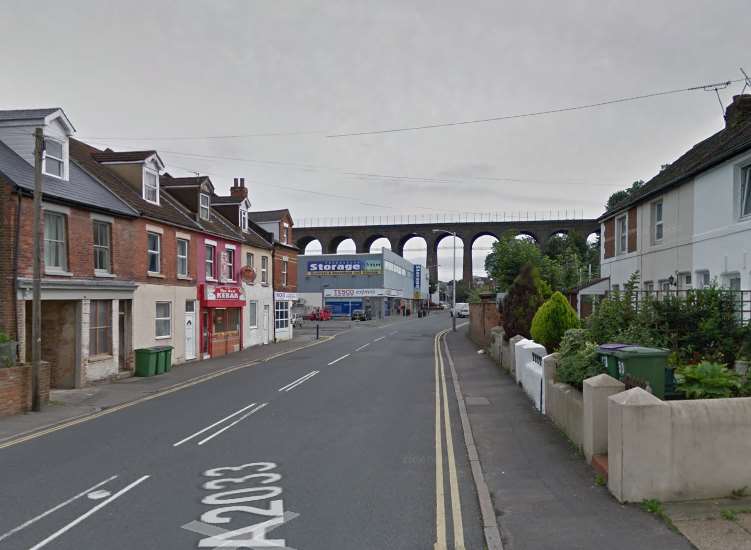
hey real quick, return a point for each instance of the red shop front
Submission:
(221, 319)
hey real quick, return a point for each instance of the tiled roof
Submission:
(108, 155)
(725, 144)
(168, 211)
(268, 215)
(167, 180)
(27, 114)
(80, 188)
(226, 200)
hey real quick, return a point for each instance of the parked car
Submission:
(319, 315)
(461, 310)
(361, 315)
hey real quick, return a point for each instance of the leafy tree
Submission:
(522, 301)
(509, 254)
(623, 194)
(552, 320)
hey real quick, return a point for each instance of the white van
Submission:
(461, 310)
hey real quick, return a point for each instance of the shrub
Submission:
(552, 320)
(521, 302)
(707, 381)
(615, 313)
(4, 337)
(578, 358)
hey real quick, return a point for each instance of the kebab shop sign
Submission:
(224, 296)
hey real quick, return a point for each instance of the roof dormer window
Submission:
(243, 219)
(204, 206)
(54, 158)
(150, 186)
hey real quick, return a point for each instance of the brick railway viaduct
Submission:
(365, 235)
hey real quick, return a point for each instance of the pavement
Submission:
(544, 493)
(342, 445)
(716, 524)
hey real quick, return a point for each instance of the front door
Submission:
(266, 315)
(190, 330)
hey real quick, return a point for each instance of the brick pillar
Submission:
(432, 261)
(116, 333)
(21, 337)
(85, 322)
(467, 277)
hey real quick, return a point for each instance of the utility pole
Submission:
(36, 309)
(453, 290)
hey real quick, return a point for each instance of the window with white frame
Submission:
(745, 194)
(243, 220)
(102, 247)
(155, 252)
(685, 281)
(205, 205)
(55, 242)
(621, 227)
(209, 260)
(250, 259)
(229, 266)
(664, 285)
(657, 225)
(702, 279)
(281, 317)
(54, 158)
(284, 272)
(163, 320)
(264, 270)
(100, 327)
(150, 186)
(285, 229)
(253, 314)
(182, 257)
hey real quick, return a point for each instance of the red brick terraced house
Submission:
(88, 276)
(279, 224)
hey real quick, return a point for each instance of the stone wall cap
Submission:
(604, 381)
(636, 397)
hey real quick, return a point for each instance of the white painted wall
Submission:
(702, 228)
(263, 295)
(144, 312)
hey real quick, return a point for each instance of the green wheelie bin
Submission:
(644, 365)
(146, 360)
(606, 353)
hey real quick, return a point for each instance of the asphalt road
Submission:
(331, 447)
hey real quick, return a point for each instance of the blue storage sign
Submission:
(417, 276)
(342, 267)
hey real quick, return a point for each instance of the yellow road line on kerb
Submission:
(456, 504)
(440, 501)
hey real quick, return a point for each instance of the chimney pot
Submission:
(738, 111)
(238, 190)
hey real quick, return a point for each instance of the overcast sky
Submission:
(149, 69)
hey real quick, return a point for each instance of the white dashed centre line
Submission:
(379, 339)
(337, 360)
(363, 347)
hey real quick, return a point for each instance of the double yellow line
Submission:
(442, 403)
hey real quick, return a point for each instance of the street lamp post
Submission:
(453, 278)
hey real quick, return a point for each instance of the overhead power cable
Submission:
(536, 113)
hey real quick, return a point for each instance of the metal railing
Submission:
(741, 299)
(438, 218)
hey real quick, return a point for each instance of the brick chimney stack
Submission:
(238, 189)
(738, 111)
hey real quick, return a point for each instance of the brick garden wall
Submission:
(8, 206)
(483, 317)
(15, 388)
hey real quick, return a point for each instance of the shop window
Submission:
(102, 247)
(163, 319)
(227, 320)
(100, 327)
(182, 258)
(155, 250)
(265, 270)
(281, 315)
(55, 242)
(210, 256)
(253, 314)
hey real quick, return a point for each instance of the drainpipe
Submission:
(15, 263)
(273, 293)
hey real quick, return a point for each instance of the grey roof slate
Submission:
(27, 114)
(81, 188)
(268, 215)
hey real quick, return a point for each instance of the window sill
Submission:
(100, 357)
(211, 280)
(184, 278)
(163, 337)
(155, 275)
(58, 272)
(104, 274)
